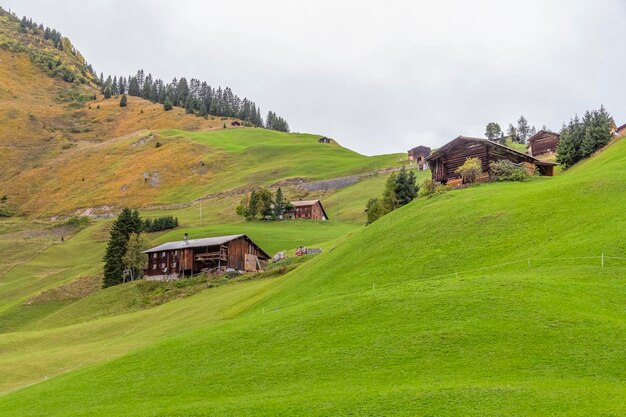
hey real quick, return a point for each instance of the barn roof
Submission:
(541, 133)
(306, 203)
(465, 139)
(198, 243)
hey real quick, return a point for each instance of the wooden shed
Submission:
(445, 160)
(419, 154)
(544, 143)
(307, 209)
(187, 257)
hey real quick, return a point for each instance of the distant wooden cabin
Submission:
(235, 123)
(621, 130)
(419, 154)
(543, 143)
(187, 257)
(324, 139)
(445, 160)
(307, 209)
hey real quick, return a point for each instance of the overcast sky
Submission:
(379, 77)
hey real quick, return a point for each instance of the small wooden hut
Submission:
(445, 160)
(419, 154)
(307, 209)
(187, 257)
(543, 143)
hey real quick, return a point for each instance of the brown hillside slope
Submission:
(47, 123)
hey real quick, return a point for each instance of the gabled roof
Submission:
(306, 203)
(420, 148)
(542, 132)
(621, 127)
(461, 140)
(198, 243)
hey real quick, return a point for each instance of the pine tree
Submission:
(512, 133)
(522, 129)
(123, 100)
(203, 111)
(114, 86)
(167, 104)
(390, 199)
(126, 223)
(107, 91)
(279, 204)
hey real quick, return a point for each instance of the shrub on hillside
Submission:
(470, 170)
(506, 170)
(428, 187)
(123, 100)
(167, 104)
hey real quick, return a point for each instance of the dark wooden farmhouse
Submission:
(543, 143)
(621, 130)
(187, 257)
(324, 139)
(307, 209)
(235, 123)
(445, 160)
(419, 154)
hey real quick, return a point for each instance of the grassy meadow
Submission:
(434, 309)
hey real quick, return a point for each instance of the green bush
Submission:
(428, 187)
(506, 170)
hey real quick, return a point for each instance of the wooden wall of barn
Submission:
(237, 250)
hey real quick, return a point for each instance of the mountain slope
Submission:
(432, 310)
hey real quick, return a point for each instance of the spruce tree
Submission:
(523, 129)
(127, 222)
(167, 104)
(123, 100)
(203, 111)
(107, 91)
(279, 204)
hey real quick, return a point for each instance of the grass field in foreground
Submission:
(509, 340)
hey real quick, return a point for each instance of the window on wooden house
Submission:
(163, 265)
(154, 266)
(173, 264)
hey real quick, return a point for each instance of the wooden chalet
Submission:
(620, 130)
(445, 160)
(307, 209)
(419, 154)
(543, 142)
(187, 257)
(324, 139)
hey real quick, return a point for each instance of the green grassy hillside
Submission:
(487, 301)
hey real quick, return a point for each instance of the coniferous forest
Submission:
(195, 96)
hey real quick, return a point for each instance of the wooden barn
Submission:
(543, 142)
(445, 160)
(324, 139)
(307, 209)
(187, 257)
(419, 154)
